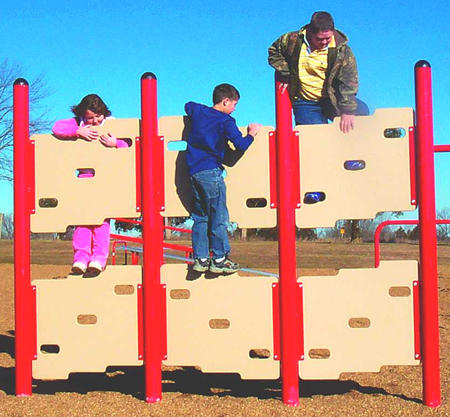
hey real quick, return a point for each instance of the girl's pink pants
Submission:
(91, 243)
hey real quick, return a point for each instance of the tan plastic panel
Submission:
(247, 179)
(245, 302)
(112, 340)
(110, 193)
(331, 301)
(384, 185)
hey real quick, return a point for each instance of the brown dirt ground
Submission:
(395, 391)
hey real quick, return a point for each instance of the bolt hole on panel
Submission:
(319, 353)
(180, 294)
(87, 319)
(394, 133)
(48, 202)
(359, 323)
(259, 353)
(256, 202)
(50, 349)
(399, 291)
(219, 324)
(123, 289)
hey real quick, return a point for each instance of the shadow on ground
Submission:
(187, 380)
(130, 381)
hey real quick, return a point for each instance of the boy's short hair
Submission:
(223, 91)
(321, 22)
(93, 103)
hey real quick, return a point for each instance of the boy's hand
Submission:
(108, 140)
(253, 129)
(86, 133)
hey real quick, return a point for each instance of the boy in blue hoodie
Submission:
(211, 129)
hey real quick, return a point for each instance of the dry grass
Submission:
(395, 391)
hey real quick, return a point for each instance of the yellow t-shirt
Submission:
(312, 68)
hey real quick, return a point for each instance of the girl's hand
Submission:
(86, 133)
(108, 140)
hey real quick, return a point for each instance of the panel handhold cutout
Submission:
(180, 294)
(177, 145)
(319, 353)
(87, 319)
(259, 353)
(85, 172)
(53, 349)
(124, 289)
(48, 202)
(219, 324)
(256, 202)
(128, 141)
(399, 291)
(314, 197)
(359, 323)
(354, 165)
(394, 133)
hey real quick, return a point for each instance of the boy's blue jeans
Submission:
(315, 112)
(210, 214)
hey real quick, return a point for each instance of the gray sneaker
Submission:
(226, 266)
(200, 266)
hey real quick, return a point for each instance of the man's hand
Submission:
(253, 129)
(86, 133)
(108, 140)
(347, 122)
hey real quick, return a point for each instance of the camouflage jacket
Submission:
(341, 82)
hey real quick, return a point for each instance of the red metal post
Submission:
(428, 240)
(289, 304)
(23, 296)
(152, 234)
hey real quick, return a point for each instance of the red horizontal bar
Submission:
(129, 221)
(126, 238)
(376, 240)
(178, 229)
(441, 148)
(178, 247)
(173, 246)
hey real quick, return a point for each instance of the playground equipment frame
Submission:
(286, 201)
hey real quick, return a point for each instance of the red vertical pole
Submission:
(289, 335)
(152, 233)
(22, 288)
(428, 240)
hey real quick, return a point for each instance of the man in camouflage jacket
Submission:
(341, 75)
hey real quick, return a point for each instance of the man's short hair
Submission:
(223, 91)
(321, 22)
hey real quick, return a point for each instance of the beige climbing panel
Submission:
(247, 180)
(218, 324)
(111, 192)
(359, 320)
(384, 184)
(107, 305)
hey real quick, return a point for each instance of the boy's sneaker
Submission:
(226, 266)
(200, 266)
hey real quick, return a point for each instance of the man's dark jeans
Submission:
(315, 112)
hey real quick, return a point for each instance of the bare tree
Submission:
(443, 230)
(38, 91)
(8, 227)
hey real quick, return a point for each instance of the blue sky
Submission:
(104, 47)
